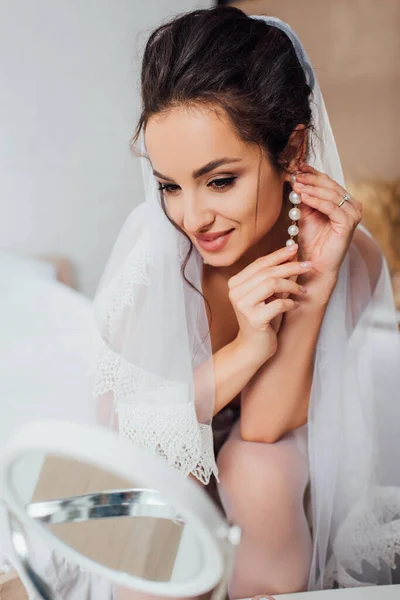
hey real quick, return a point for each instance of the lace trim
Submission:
(362, 538)
(155, 413)
(114, 374)
(119, 293)
(172, 432)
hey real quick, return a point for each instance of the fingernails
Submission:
(304, 195)
(303, 289)
(296, 304)
(299, 185)
(306, 265)
(291, 248)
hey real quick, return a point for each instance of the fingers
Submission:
(291, 269)
(316, 178)
(275, 258)
(319, 185)
(265, 313)
(245, 300)
(269, 280)
(344, 216)
(326, 206)
(310, 176)
(270, 277)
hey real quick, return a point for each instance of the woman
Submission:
(209, 308)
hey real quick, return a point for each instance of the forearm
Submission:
(234, 366)
(276, 399)
(231, 369)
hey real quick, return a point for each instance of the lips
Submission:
(210, 237)
(214, 242)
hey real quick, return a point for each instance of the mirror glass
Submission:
(111, 521)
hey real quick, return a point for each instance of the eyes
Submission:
(217, 184)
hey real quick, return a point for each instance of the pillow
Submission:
(13, 266)
(46, 349)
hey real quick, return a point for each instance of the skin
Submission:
(222, 199)
(257, 327)
(182, 140)
(185, 139)
(252, 268)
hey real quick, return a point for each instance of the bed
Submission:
(45, 345)
(46, 348)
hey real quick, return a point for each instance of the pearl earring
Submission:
(294, 212)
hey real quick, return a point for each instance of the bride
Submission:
(242, 308)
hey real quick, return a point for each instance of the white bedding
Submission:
(46, 341)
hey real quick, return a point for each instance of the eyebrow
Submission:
(213, 164)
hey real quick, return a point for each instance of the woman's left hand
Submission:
(326, 229)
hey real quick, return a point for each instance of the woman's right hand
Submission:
(259, 294)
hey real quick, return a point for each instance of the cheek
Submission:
(265, 215)
(269, 213)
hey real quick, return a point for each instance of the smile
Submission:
(214, 242)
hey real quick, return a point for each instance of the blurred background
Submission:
(69, 100)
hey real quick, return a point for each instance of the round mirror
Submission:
(85, 496)
(113, 522)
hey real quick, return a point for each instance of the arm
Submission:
(233, 366)
(230, 369)
(276, 399)
(273, 402)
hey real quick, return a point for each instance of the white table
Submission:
(384, 592)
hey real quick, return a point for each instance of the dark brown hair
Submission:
(221, 57)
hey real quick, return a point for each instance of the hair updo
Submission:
(221, 57)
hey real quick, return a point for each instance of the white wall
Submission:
(69, 101)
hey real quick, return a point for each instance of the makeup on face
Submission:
(219, 191)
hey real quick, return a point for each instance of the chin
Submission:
(226, 257)
(221, 259)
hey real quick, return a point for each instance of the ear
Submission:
(296, 149)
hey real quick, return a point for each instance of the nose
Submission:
(197, 216)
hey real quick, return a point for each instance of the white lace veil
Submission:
(155, 382)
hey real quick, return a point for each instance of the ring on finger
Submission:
(346, 198)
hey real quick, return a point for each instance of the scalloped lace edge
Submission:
(153, 414)
(361, 538)
(172, 432)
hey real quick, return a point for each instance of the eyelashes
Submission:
(217, 184)
(167, 187)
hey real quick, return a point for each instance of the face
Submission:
(209, 178)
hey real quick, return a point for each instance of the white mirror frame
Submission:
(104, 449)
